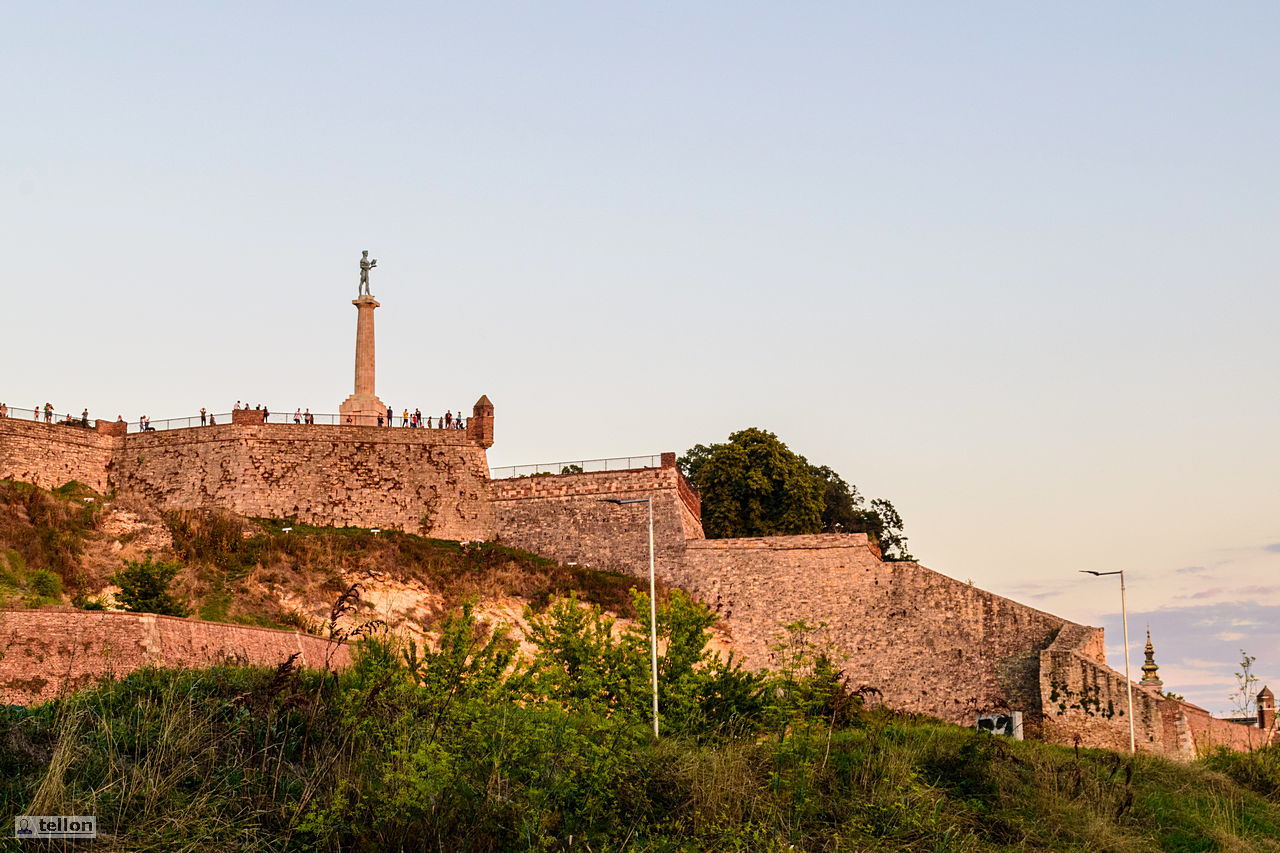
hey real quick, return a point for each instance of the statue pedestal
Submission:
(362, 410)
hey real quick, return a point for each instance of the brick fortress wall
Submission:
(49, 652)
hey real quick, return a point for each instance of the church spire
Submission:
(1150, 680)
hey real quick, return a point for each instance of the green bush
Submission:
(144, 587)
(45, 584)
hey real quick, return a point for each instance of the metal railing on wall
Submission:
(53, 417)
(300, 418)
(581, 466)
(221, 418)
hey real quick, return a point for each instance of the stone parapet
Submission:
(48, 653)
(50, 455)
(432, 482)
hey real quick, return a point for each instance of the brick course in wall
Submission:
(44, 653)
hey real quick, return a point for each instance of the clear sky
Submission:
(1012, 267)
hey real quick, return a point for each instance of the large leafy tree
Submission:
(754, 485)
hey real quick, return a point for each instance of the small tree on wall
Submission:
(1243, 698)
(144, 587)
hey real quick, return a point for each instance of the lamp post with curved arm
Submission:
(653, 602)
(1128, 682)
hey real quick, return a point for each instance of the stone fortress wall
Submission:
(927, 642)
(563, 516)
(428, 481)
(50, 455)
(44, 653)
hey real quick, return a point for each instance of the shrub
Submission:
(144, 587)
(46, 584)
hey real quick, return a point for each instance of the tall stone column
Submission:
(363, 406)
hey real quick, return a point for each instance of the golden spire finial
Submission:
(1149, 677)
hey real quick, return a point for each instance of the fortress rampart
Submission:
(562, 516)
(927, 642)
(418, 480)
(49, 455)
(44, 653)
(428, 481)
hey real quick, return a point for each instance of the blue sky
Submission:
(1014, 268)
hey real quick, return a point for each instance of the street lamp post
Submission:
(653, 603)
(1128, 682)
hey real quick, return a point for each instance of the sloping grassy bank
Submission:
(468, 748)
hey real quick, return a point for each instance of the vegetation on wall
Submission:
(42, 540)
(754, 485)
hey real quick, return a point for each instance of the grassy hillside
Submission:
(470, 747)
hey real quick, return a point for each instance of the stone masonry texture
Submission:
(926, 642)
(433, 482)
(50, 455)
(49, 652)
(428, 481)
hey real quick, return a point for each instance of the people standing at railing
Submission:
(84, 418)
(48, 413)
(4, 411)
(307, 417)
(448, 419)
(212, 421)
(297, 416)
(390, 415)
(203, 417)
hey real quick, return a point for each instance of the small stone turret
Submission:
(1266, 709)
(480, 426)
(1150, 681)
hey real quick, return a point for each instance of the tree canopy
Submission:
(754, 485)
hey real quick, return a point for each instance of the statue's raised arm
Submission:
(365, 266)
